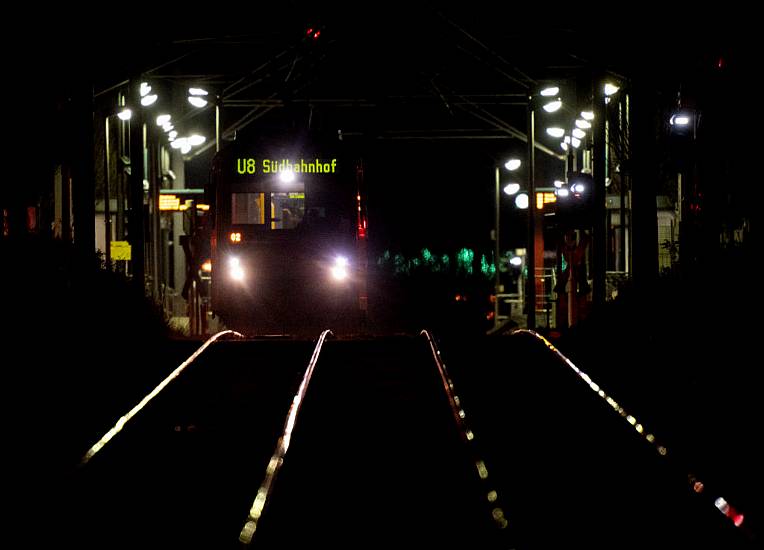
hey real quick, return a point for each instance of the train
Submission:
(287, 234)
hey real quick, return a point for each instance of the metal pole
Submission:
(106, 197)
(135, 218)
(155, 178)
(598, 246)
(217, 124)
(497, 252)
(624, 179)
(531, 250)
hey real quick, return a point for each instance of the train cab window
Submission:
(287, 210)
(248, 208)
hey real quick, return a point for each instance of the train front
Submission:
(285, 254)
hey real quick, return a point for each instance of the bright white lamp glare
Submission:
(168, 127)
(512, 164)
(558, 184)
(583, 124)
(550, 91)
(125, 114)
(516, 260)
(679, 120)
(197, 101)
(185, 148)
(578, 133)
(610, 89)
(149, 100)
(564, 146)
(145, 89)
(287, 176)
(553, 106)
(235, 269)
(179, 143)
(163, 119)
(521, 201)
(579, 188)
(196, 139)
(587, 115)
(555, 132)
(563, 192)
(575, 142)
(340, 268)
(173, 134)
(511, 188)
(197, 91)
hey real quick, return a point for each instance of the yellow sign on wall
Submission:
(120, 250)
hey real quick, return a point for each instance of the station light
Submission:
(555, 132)
(125, 114)
(511, 188)
(196, 97)
(553, 106)
(587, 115)
(512, 164)
(550, 91)
(521, 201)
(196, 139)
(679, 120)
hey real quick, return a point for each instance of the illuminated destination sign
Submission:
(251, 165)
(169, 202)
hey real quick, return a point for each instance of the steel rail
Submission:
(696, 485)
(282, 446)
(109, 435)
(466, 433)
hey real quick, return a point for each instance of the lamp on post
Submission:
(198, 98)
(124, 115)
(552, 103)
(530, 254)
(512, 188)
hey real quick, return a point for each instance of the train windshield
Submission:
(270, 210)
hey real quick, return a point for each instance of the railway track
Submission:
(356, 443)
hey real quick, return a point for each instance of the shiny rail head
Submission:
(696, 485)
(247, 532)
(467, 434)
(123, 420)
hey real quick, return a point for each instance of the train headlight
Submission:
(235, 269)
(340, 268)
